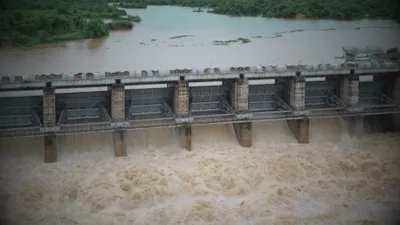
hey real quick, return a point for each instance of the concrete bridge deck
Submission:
(156, 76)
(115, 102)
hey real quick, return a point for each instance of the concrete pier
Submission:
(297, 92)
(181, 99)
(239, 92)
(49, 120)
(119, 142)
(350, 97)
(297, 100)
(181, 109)
(185, 137)
(300, 129)
(50, 148)
(244, 134)
(118, 102)
(118, 115)
(49, 107)
(396, 99)
(356, 126)
(349, 90)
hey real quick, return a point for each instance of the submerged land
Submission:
(28, 23)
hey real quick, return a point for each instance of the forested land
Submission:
(31, 22)
(318, 9)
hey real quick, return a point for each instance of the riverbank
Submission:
(291, 9)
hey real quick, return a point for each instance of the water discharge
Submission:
(333, 180)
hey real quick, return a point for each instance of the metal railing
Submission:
(267, 71)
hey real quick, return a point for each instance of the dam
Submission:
(366, 84)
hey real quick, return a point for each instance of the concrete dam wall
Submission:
(182, 104)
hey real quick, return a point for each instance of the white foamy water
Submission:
(333, 180)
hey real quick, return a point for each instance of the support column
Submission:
(356, 126)
(349, 90)
(297, 92)
(118, 115)
(49, 120)
(349, 94)
(118, 102)
(297, 100)
(185, 136)
(300, 129)
(396, 99)
(181, 99)
(240, 103)
(49, 107)
(244, 133)
(240, 95)
(181, 109)
(50, 148)
(119, 142)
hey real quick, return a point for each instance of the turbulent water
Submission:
(333, 180)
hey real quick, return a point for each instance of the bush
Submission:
(135, 19)
(120, 25)
(95, 28)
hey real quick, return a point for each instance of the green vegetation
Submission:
(135, 19)
(120, 25)
(133, 5)
(198, 10)
(28, 23)
(334, 9)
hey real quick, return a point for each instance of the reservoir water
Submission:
(149, 44)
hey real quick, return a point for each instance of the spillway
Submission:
(335, 179)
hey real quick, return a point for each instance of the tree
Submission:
(95, 28)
